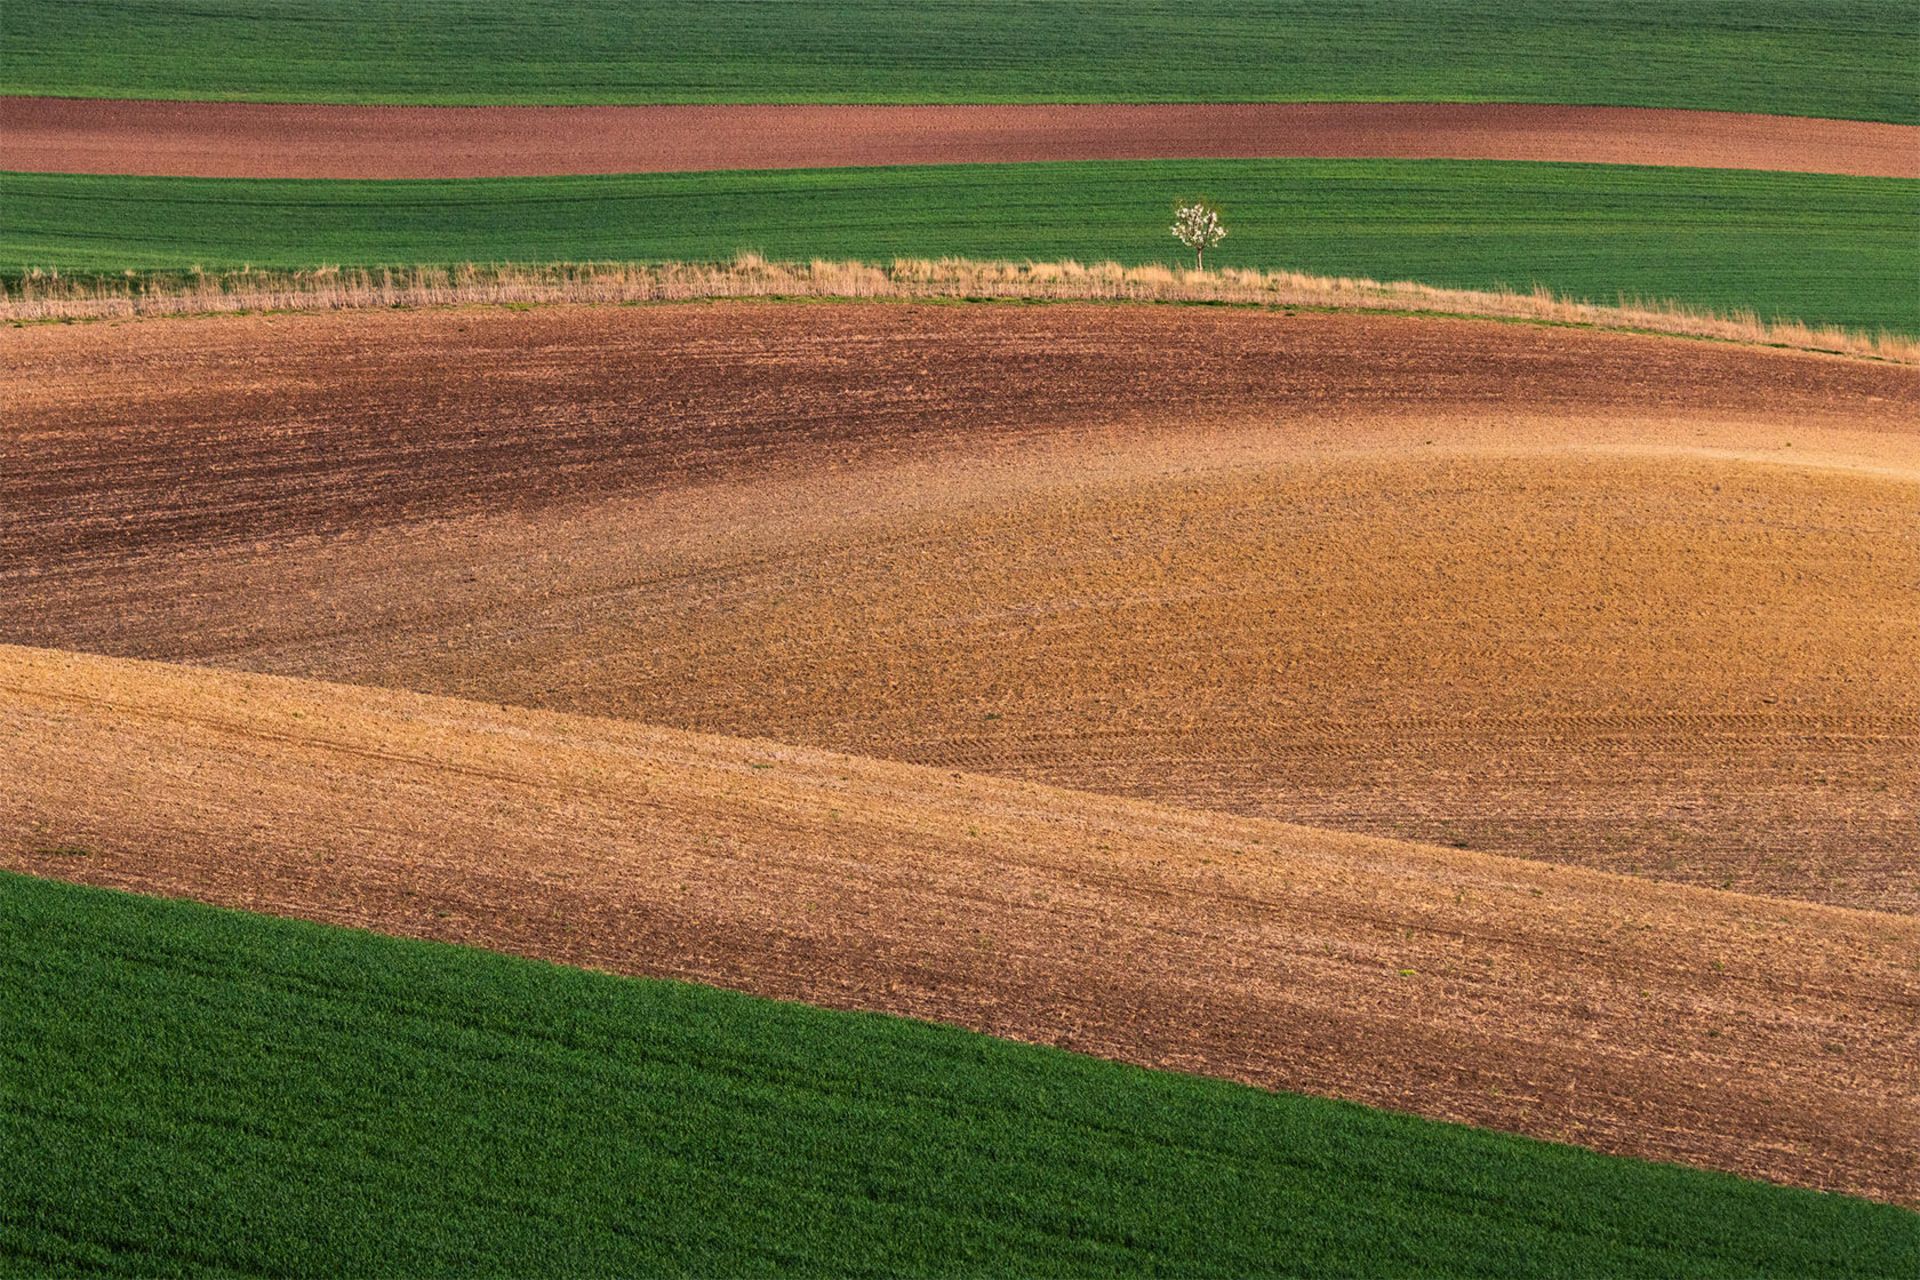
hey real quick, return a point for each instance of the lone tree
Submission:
(1198, 227)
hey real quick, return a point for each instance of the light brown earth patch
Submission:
(274, 140)
(1642, 605)
(1774, 1039)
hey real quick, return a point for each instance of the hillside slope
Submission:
(450, 1111)
(1640, 604)
(1765, 1037)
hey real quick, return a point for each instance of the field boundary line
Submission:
(39, 296)
(208, 139)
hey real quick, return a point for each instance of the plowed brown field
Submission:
(1633, 603)
(1771, 1038)
(269, 140)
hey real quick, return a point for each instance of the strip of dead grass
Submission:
(52, 297)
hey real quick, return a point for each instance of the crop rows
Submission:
(1815, 248)
(519, 1117)
(1845, 58)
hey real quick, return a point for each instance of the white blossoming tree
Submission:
(1198, 227)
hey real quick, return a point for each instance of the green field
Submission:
(1851, 58)
(184, 1089)
(1810, 247)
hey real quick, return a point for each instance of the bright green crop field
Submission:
(1810, 247)
(1851, 58)
(190, 1090)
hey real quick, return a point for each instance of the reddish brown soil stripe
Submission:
(327, 423)
(271, 140)
(1773, 1039)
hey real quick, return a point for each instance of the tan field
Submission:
(1771, 1038)
(1277, 697)
(1634, 604)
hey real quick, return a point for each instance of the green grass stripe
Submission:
(1804, 246)
(1851, 58)
(185, 1089)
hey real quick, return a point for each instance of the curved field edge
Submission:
(1842, 58)
(39, 297)
(759, 519)
(445, 1110)
(1747, 1034)
(1812, 248)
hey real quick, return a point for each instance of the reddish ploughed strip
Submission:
(276, 140)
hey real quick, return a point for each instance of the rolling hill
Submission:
(1748, 1034)
(1639, 604)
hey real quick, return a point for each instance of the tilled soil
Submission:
(1632, 603)
(1773, 1039)
(129, 439)
(272, 140)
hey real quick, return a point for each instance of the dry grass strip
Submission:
(49, 296)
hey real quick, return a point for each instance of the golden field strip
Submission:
(1770, 1038)
(41, 296)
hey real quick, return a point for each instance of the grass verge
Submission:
(186, 1089)
(1806, 57)
(41, 298)
(1815, 248)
